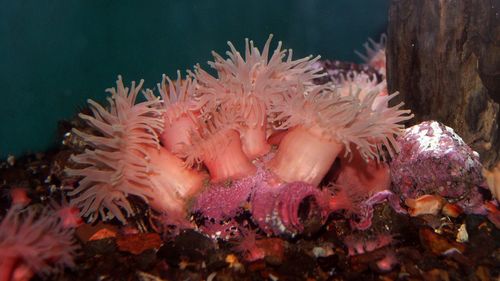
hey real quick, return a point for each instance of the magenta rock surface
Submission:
(219, 203)
(435, 160)
(224, 200)
(274, 207)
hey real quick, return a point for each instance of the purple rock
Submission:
(435, 160)
(222, 200)
(274, 206)
(220, 203)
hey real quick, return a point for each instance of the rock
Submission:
(437, 244)
(435, 160)
(138, 243)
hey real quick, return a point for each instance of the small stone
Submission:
(438, 244)
(11, 160)
(138, 243)
(462, 235)
(452, 210)
(103, 233)
(483, 273)
(436, 275)
(425, 205)
(324, 251)
(234, 263)
(273, 248)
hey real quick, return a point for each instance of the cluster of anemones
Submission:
(261, 114)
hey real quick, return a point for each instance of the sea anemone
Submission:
(364, 178)
(34, 241)
(361, 84)
(69, 215)
(217, 144)
(375, 54)
(250, 85)
(19, 196)
(359, 244)
(180, 111)
(247, 246)
(125, 158)
(322, 123)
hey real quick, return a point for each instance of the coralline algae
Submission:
(273, 205)
(435, 160)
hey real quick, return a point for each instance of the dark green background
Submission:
(56, 54)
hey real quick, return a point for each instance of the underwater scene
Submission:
(252, 140)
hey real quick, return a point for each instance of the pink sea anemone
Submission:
(32, 242)
(125, 158)
(217, 144)
(178, 99)
(358, 244)
(375, 54)
(251, 84)
(159, 149)
(322, 123)
(360, 85)
(247, 246)
(69, 215)
(19, 196)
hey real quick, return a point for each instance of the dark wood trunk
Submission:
(444, 58)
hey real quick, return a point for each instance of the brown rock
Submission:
(138, 243)
(438, 244)
(99, 231)
(483, 273)
(274, 249)
(437, 275)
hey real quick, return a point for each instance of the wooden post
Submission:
(444, 58)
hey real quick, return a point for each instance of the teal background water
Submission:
(56, 54)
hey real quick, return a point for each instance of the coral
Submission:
(34, 242)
